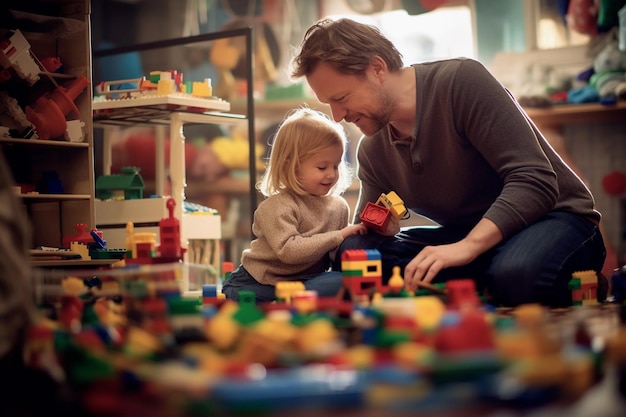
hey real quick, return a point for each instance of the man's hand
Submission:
(433, 259)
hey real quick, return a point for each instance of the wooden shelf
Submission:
(74, 263)
(578, 113)
(42, 143)
(63, 31)
(53, 197)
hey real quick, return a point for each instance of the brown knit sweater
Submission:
(294, 235)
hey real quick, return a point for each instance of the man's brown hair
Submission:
(346, 45)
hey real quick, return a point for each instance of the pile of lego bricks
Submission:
(599, 320)
(136, 346)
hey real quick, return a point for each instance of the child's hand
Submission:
(353, 229)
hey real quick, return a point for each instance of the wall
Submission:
(598, 149)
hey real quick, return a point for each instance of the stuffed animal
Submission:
(609, 66)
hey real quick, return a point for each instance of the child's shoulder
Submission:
(278, 200)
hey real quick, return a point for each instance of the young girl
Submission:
(304, 218)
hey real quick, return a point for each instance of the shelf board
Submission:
(75, 263)
(578, 113)
(53, 197)
(173, 102)
(50, 143)
(159, 110)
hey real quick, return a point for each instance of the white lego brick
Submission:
(145, 210)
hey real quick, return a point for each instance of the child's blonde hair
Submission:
(301, 135)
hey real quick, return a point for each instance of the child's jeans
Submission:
(326, 284)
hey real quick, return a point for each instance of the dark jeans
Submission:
(326, 284)
(533, 266)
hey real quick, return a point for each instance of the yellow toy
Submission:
(234, 152)
(224, 154)
(394, 203)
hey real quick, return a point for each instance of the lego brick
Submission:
(354, 255)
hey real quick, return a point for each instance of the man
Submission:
(450, 140)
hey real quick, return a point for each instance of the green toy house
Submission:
(128, 185)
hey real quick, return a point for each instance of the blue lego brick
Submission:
(319, 387)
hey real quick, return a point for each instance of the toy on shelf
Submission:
(127, 185)
(52, 63)
(16, 56)
(90, 245)
(160, 82)
(81, 236)
(23, 127)
(47, 116)
(143, 249)
(163, 88)
(50, 183)
(49, 112)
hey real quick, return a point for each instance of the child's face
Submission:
(320, 172)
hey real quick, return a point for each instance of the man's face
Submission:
(361, 100)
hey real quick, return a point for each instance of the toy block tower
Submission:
(584, 287)
(362, 271)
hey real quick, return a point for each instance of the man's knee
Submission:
(511, 283)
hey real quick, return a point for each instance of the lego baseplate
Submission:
(172, 102)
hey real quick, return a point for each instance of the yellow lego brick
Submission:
(394, 203)
(586, 277)
(369, 268)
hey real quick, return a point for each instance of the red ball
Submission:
(614, 183)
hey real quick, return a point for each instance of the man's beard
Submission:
(383, 116)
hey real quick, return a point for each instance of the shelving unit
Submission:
(57, 29)
(158, 111)
(169, 113)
